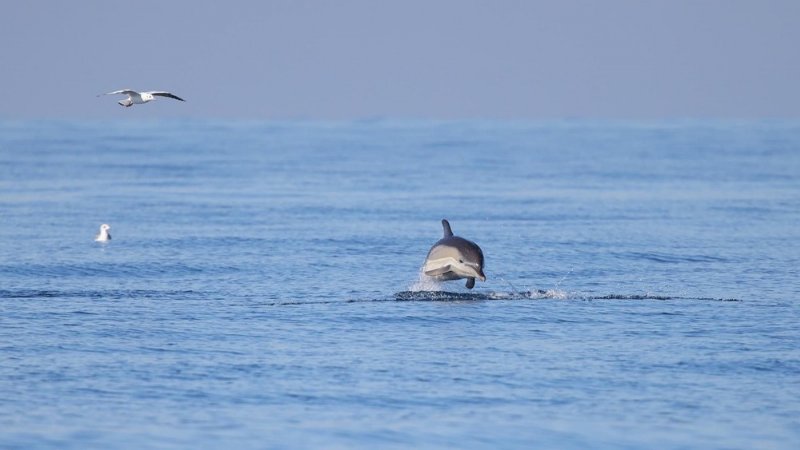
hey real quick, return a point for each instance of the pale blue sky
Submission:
(406, 59)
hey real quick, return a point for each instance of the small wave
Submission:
(104, 294)
(632, 297)
(658, 297)
(667, 258)
(538, 294)
(29, 293)
(409, 295)
(440, 295)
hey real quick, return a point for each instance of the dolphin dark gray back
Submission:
(469, 249)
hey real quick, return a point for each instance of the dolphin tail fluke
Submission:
(446, 225)
(438, 271)
(470, 283)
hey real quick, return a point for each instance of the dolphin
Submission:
(453, 257)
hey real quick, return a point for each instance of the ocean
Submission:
(262, 288)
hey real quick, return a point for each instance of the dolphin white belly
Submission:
(443, 269)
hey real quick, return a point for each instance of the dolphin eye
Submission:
(461, 261)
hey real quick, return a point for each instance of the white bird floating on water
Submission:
(140, 98)
(103, 235)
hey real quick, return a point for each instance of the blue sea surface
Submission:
(262, 288)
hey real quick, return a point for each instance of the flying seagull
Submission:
(139, 98)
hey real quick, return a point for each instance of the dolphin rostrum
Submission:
(454, 257)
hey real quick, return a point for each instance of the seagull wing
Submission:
(165, 94)
(121, 91)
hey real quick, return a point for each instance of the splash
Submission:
(556, 294)
(425, 283)
(537, 294)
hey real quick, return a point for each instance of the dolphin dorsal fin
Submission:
(446, 226)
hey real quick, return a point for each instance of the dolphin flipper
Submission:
(470, 283)
(446, 226)
(439, 271)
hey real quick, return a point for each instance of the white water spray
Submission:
(425, 283)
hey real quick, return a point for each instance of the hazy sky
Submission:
(408, 59)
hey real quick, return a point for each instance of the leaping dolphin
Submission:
(453, 257)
